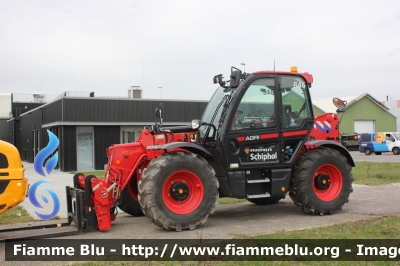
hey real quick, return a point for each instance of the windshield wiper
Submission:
(219, 106)
(227, 102)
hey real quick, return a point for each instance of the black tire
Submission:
(265, 201)
(174, 175)
(367, 151)
(129, 202)
(307, 187)
(378, 153)
(396, 151)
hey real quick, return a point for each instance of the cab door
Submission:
(297, 118)
(252, 136)
(266, 127)
(390, 141)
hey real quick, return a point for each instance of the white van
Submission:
(379, 142)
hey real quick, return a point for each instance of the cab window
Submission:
(389, 137)
(3, 161)
(295, 104)
(257, 106)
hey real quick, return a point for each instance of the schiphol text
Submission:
(264, 157)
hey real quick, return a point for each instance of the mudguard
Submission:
(184, 145)
(333, 145)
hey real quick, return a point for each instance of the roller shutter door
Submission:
(364, 126)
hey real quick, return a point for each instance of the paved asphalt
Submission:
(58, 181)
(237, 216)
(233, 219)
(242, 219)
(246, 219)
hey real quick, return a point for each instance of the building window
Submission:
(85, 148)
(130, 134)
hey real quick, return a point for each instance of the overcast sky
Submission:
(350, 46)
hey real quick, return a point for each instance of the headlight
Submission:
(195, 124)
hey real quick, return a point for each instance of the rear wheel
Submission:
(321, 181)
(378, 153)
(129, 199)
(178, 191)
(367, 151)
(396, 151)
(265, 201)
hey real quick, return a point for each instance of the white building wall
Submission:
(5, 106)
(394, 108)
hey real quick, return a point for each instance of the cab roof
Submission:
(307, 76)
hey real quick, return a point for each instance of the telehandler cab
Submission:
(257, 140)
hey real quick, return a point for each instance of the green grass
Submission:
(375, 174)
(295, 263)
(374, 228)
(16, 215)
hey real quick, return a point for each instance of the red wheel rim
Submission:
(193, 192)
(334, 177)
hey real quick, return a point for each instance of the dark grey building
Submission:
(87, 126)
(12, 105)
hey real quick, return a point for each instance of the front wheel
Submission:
(321, 181)
(396, 151)
(178, 191)
(367, 152)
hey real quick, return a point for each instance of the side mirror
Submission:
(339, 103)
(218, 79)
(236, 75)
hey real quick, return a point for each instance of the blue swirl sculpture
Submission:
(33, 199)
(44, 153)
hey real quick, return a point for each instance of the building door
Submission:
(85, 148)
(364, 126)
(130, 134)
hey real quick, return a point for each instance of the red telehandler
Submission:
(257, 140)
